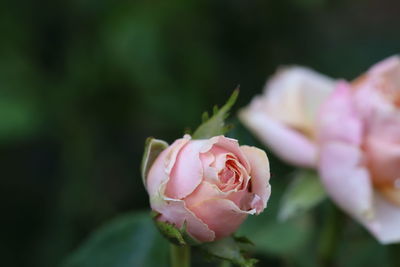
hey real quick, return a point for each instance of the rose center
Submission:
(230, 177)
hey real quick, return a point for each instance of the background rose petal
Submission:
(346, 181)
(287, 143)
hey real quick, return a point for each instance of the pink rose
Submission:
(284, 117)
(359, 135)
(212, 185)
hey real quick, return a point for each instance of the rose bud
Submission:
(359, 133)
(284, 117)
(208, 185)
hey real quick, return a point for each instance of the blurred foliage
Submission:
(83, 83)
(129, 240)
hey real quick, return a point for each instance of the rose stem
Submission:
(180, 256)
(329, 237)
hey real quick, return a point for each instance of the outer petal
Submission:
(293, 96)
(175, 212)
(187, 173)
(386, 224)
(388, 69)
(221, 215)
(338, 121)
(287, 143)
(159, 173)
(259, 175)
(208, 190)
(346, 181)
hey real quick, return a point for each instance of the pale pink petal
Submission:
(207, 190)
(187, 173)
(289, 144)
(388, 120)
(345, 179)
(175, 212)
(294, 94)
(221, 215)
(210, 173)
(204, 191)
(160, 170)
(386, 223)
(260, 175)
(388, 69)
(338, 119)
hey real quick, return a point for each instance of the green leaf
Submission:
(228, 249)
(153, 147)
(129, 240)
(216, 124)
(305, 192)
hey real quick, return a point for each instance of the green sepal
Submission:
(243, 240)
(177, 236)
(152, 148)
(303, 193)
(231, 249)
(215, 125)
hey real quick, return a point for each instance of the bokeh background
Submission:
(84, 82)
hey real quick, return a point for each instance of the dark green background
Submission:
(83, 83)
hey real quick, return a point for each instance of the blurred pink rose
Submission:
(359, 135)
(212, 185)
(284, 117)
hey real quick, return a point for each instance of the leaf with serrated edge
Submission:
(216, 124)
(228, 249)
(304, 192)
(153, 147)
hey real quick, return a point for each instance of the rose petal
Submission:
(385, 225)
(346, 181)
(287, 143)
(338, 119)
(259, 176)
(221, 144)
(187, 173)
(383, 160)
(159, 172)
(294, 95)
(221, 215)
(175, 212)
